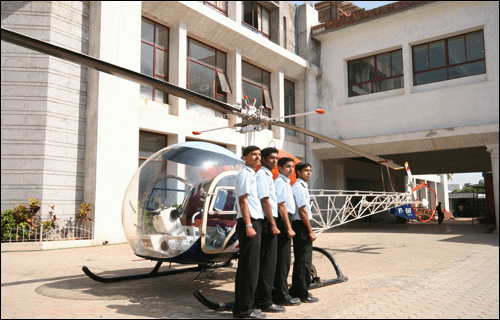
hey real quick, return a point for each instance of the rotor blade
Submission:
(339, 144)
(320, 111)
(83, 59)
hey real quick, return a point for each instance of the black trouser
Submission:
(440, 216)
(268, 250)
(247, 274)
(283, 258)
(302, 252)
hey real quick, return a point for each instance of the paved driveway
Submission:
(395, 271)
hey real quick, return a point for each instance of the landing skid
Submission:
(315, 283)
(154, 273)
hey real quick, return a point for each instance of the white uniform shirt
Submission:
(284, 192)
(246, 184)
(265, 188)
(302, 198)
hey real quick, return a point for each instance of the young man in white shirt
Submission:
(248, 231)
(286, 208)
(269, 241)
(304, 236)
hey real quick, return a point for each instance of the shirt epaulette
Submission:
(249, 170)
(269, 174)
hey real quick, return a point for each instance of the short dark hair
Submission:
(267, 152)
(250, 149)
(283, 161)
(301, 166)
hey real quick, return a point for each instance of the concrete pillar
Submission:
(234, 75)
(176, 169)
(112, 122)
(178, 66)
(307, 18)
(234, 11)
(493, 150)
(442, 192)
(278, 97)
(311, 103)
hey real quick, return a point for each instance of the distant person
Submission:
(440, 213)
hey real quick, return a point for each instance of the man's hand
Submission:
(251, 232)
(275, 231)
(312, 236)
(290, 233)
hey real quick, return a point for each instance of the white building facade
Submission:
(72, 134)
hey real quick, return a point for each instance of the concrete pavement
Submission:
(395, 271)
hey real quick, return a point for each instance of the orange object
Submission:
(275, 171)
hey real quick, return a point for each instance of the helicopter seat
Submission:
(167, 221)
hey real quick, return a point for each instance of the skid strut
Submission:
(154, 273)
(315, 283)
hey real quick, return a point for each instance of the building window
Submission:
(154, 57)
(380, 72)
(450, 58)
(220, 6)
(256, 83)
(256, 18)
(149, 144)
(206, 68)
(289, 105)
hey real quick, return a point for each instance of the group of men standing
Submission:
(270, 214)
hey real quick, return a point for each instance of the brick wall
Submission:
(360, 16)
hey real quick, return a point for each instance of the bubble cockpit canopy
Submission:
(165, 196)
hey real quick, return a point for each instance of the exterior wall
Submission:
(286, 10)
(112, 131)
(228, 35)
(43, 107)
(469, 101)
(452, 114)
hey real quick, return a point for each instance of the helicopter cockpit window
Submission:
(222, 213)
(165, 203)
(163, 211)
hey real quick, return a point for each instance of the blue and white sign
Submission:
(404, 211)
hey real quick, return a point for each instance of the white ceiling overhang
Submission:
(215, 29)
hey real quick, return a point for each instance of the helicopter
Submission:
(180, 204)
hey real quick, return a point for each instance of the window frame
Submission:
(292, 119)
(376, 80)
(216, 69)
(251, 27)
(265, 110)
(216, 7)
(165, 76)
(447, 66)
(150, 133)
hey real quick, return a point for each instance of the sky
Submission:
(462, 178)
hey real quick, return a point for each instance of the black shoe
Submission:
(309, 299)
(274, 308)
(289, 302)
(253, 315)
